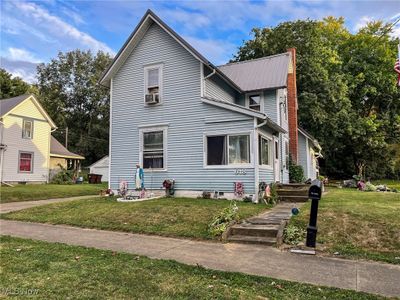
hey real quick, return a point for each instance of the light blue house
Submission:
(182, 118)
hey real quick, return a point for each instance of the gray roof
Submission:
(57, 149)
(6, 105)
(261, 73)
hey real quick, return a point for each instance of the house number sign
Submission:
(240, 172)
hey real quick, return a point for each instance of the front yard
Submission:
(357, 224)
(179, 217)
(47, 191)
(52, 270)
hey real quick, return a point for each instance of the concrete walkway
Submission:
(369, 277)
(14, 206)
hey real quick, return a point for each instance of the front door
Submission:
(277, 165)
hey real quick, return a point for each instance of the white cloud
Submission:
(24, 69)
(58, 27)
(362, 22)
(217, 51)
(16, 54)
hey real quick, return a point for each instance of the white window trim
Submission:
(229, 166)
(271, 157)
(247, 100)
(286, 162)
(146, 68)
(23, 128)
(150, 128)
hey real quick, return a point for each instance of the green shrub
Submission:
(221, 221)
(63, 177)
(293, 235)
(296, 172)
(369, 187)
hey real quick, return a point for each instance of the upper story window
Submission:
(153, 84)
(27, 129)
(255, 102)
(228, 150)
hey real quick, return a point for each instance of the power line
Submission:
(386, 31)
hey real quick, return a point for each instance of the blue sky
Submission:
(34, 31)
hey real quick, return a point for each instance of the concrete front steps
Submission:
(266, 229)
(293, 192)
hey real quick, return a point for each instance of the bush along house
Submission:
(219, 129)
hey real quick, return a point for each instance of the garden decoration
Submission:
(123, 188)
(169, 186)
(139, 178)
(295, 211)
(238, 189)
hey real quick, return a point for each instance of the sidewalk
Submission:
(14, 206)
(369, 277)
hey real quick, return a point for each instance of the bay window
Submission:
(228, 150)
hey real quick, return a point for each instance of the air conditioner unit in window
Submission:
(152, 99)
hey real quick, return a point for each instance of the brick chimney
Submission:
(292, 106)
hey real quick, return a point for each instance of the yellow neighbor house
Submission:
(28, 152)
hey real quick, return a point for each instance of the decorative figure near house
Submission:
(139, 180)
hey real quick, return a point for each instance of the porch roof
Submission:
(58, 150)
(244, 110)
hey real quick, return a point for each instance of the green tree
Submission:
(69, 90)
(346, 89)
(12, 87)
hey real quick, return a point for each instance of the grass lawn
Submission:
(394, 184)
(57, 271)
(357, 224)
(181, 217)
(47, 191)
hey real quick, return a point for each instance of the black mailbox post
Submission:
(314, 193)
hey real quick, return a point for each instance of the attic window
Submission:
(27, 129)
(153, 83)
(255, 102)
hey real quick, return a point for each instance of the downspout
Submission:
(256, 166)
(211, 74)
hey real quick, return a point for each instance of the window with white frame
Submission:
(25, 164)
(287, 155)
(153, 149)
(228, 149)
(264, 146)
(153, 83)
(255, 102)
(27, 129)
